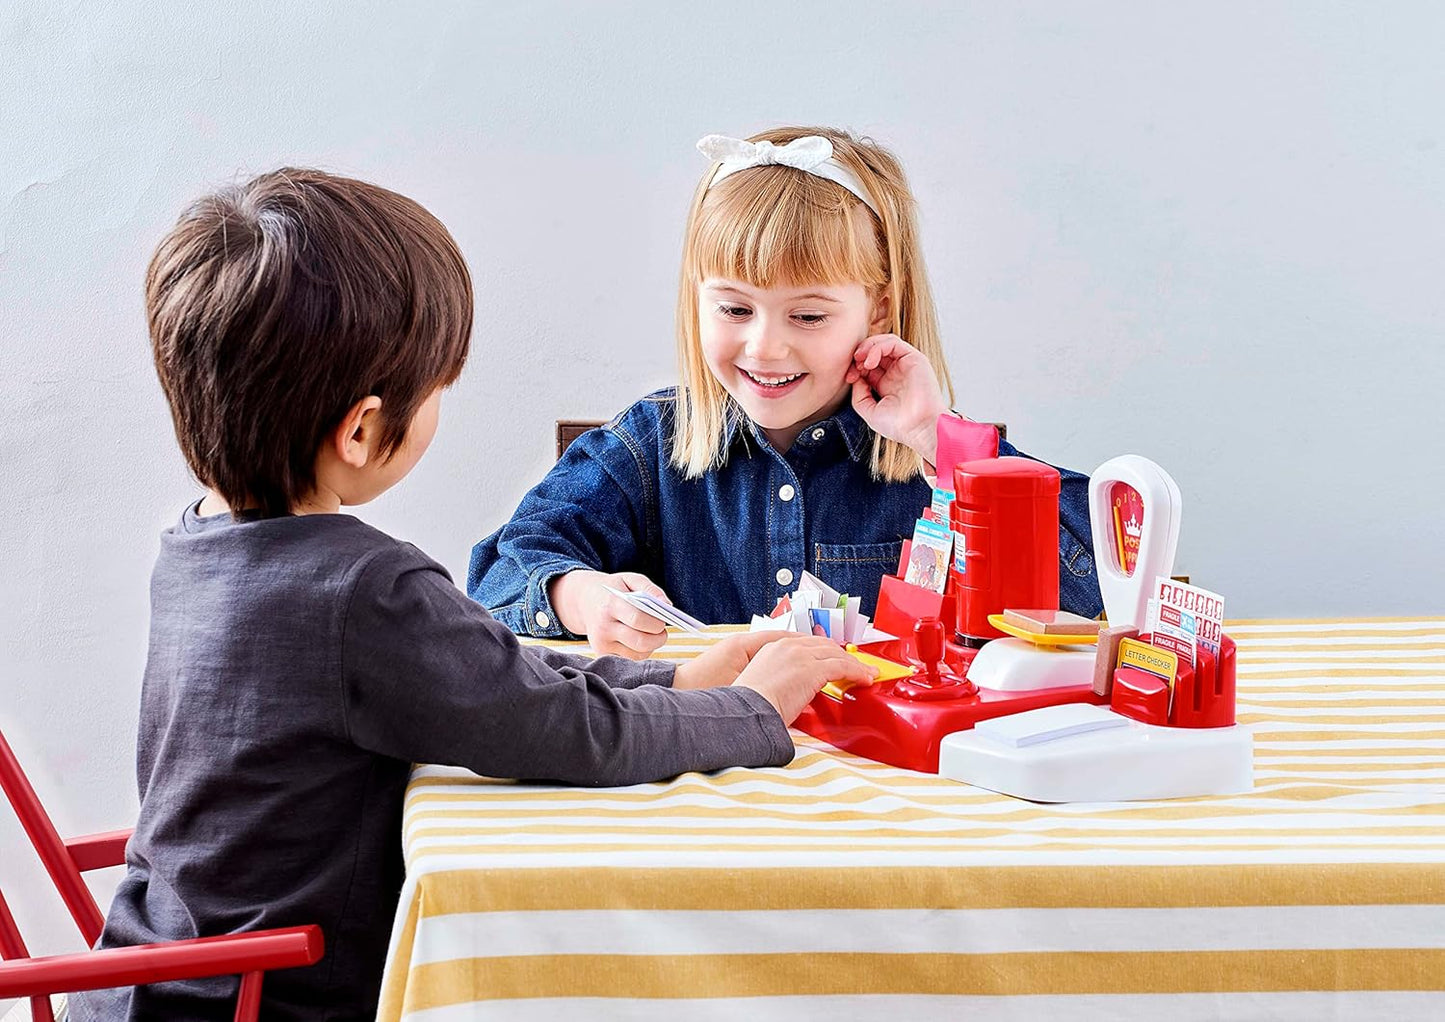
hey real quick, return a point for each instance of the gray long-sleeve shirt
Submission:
(297, 668)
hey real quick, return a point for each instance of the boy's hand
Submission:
(790, 673)
(611, 625)
(896, 392)
(722, 664)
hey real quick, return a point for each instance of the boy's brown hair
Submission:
(274, 306)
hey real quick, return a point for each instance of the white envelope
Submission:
(664, 612)
(828, 596)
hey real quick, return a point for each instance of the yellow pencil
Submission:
(1119, 538)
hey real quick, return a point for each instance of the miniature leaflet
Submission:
(816, 608)
(930, 555)
(940, 512)
(1183, 618)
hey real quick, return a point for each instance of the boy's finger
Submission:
(827, 651)
(751, 642)
(856, 670)
(846, 669)
(836, 658)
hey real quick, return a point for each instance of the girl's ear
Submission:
(882, 319)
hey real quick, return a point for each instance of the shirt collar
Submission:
(847, 422)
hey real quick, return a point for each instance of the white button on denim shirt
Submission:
(722, 544)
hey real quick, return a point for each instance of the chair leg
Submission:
(248, 1000)
(12, 947)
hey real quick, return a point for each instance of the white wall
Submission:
(1211, 234)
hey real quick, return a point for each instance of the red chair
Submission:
(248, 955)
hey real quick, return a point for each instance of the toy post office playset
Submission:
(983, 679)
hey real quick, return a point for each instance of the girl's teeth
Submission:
(772, 381)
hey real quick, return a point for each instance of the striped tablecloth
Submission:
(839, 888)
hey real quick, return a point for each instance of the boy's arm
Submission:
(427, 675)
(1078, 576)
(588, 512)
(619, 672)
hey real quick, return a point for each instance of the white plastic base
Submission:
(1123, 764)
(1017, 665)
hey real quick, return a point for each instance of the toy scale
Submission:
(982, 685)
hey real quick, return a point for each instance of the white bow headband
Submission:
(812, 154)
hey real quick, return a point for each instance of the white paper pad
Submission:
(1050, 723)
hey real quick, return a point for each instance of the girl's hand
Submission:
(722, 664)
(790, 673)
(896, 392)
(583, 605)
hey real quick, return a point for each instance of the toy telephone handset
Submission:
(1134, 508)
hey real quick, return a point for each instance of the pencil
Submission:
(1119, 538)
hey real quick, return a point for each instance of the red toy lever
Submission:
(937, 680)
(928, 645)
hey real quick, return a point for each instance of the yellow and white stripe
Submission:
(842, 888)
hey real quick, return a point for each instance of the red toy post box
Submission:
(1006, 515)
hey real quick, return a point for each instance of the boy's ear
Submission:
(882, 316)
(353, 440)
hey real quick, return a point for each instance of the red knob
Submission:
(928, 644)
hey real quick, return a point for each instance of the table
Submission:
(838, 888)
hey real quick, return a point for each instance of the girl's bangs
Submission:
(773, 227)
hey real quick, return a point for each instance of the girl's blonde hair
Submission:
(774, 226)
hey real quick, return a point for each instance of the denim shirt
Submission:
(726, 545)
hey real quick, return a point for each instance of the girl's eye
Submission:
(810, 318)
(734, 311)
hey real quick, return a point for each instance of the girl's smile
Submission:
(773, 386)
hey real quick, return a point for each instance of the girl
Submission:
(802, 431)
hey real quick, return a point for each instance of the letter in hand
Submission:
(791, 671)
(583, 605)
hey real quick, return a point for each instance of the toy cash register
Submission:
(1006, 693)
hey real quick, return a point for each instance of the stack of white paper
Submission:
(1048, 724)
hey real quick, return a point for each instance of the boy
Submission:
(300, 661)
